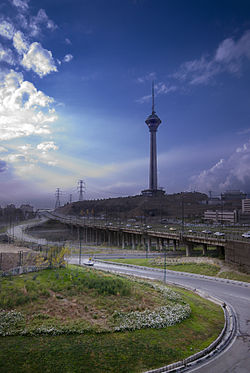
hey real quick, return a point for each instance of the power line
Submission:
(81, 188)
(57, 194)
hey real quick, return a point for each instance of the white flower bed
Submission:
(13, 322)
(160, 318)
(168, 293)
(10, 322)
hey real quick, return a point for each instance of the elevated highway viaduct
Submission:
(236, 252)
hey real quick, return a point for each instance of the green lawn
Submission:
(98, 349)
(233, 275)
(198, 268)
(201, 268)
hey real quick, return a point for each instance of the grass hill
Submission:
(188, 204)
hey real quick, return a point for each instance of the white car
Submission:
(219, 234)
(206, 231)
(89, 263)
(246, 235)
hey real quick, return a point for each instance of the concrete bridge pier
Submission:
(174, 245)
(118, 239)
(189, 249)
(168, 244)
(148, 244)
(204, 249)
(157, 243)
(161, 244)
(220, 250)
(123, 240)
(109, 238)
(133, 241)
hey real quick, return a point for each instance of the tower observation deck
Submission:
(153, 122)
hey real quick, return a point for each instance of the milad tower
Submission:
(153, 122)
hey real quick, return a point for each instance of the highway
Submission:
(236, 358)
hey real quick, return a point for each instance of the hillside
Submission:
(188, 204)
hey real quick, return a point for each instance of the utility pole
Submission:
(57, 194)
(80, 245)
(81, 188)
(165, 265)
(182, 214)
(70, 198)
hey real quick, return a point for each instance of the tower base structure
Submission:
(153, 192)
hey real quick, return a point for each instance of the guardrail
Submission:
(198, 237)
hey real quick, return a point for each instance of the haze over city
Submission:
(75, 90)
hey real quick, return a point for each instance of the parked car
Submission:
(172, 229)
(246, 235)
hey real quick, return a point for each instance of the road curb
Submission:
(225, 280)
(216, 347)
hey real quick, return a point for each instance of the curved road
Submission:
(236, 358)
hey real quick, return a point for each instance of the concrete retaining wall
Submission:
(237, 253)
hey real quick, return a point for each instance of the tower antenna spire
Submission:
(153, 97)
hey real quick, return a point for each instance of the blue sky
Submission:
(75, 85)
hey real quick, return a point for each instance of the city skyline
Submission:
(75, 88)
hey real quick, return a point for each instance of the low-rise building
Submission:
(27, 210)
(246, 205)
(221, 216)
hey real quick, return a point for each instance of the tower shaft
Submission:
(153, 122)
(153, 162)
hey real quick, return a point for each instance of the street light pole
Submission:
(80, 245)
(165, 265)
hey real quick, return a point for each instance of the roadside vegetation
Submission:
(198, 268)
(81, 320)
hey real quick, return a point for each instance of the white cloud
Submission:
(228, 57)
(143, 99)
(148, 77)
(31, 154)
(230, 173)
(3, 149)
(6, 55)
(197, 71)
(39, 60)
(20, 43)
(21, 4)
(68, 58)
(68, 41)
(244, 132)
(230, 50)
(41, 19)
(160, 88)
(23, 21)
(7, 30)
(24, 110)
(46, 146)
